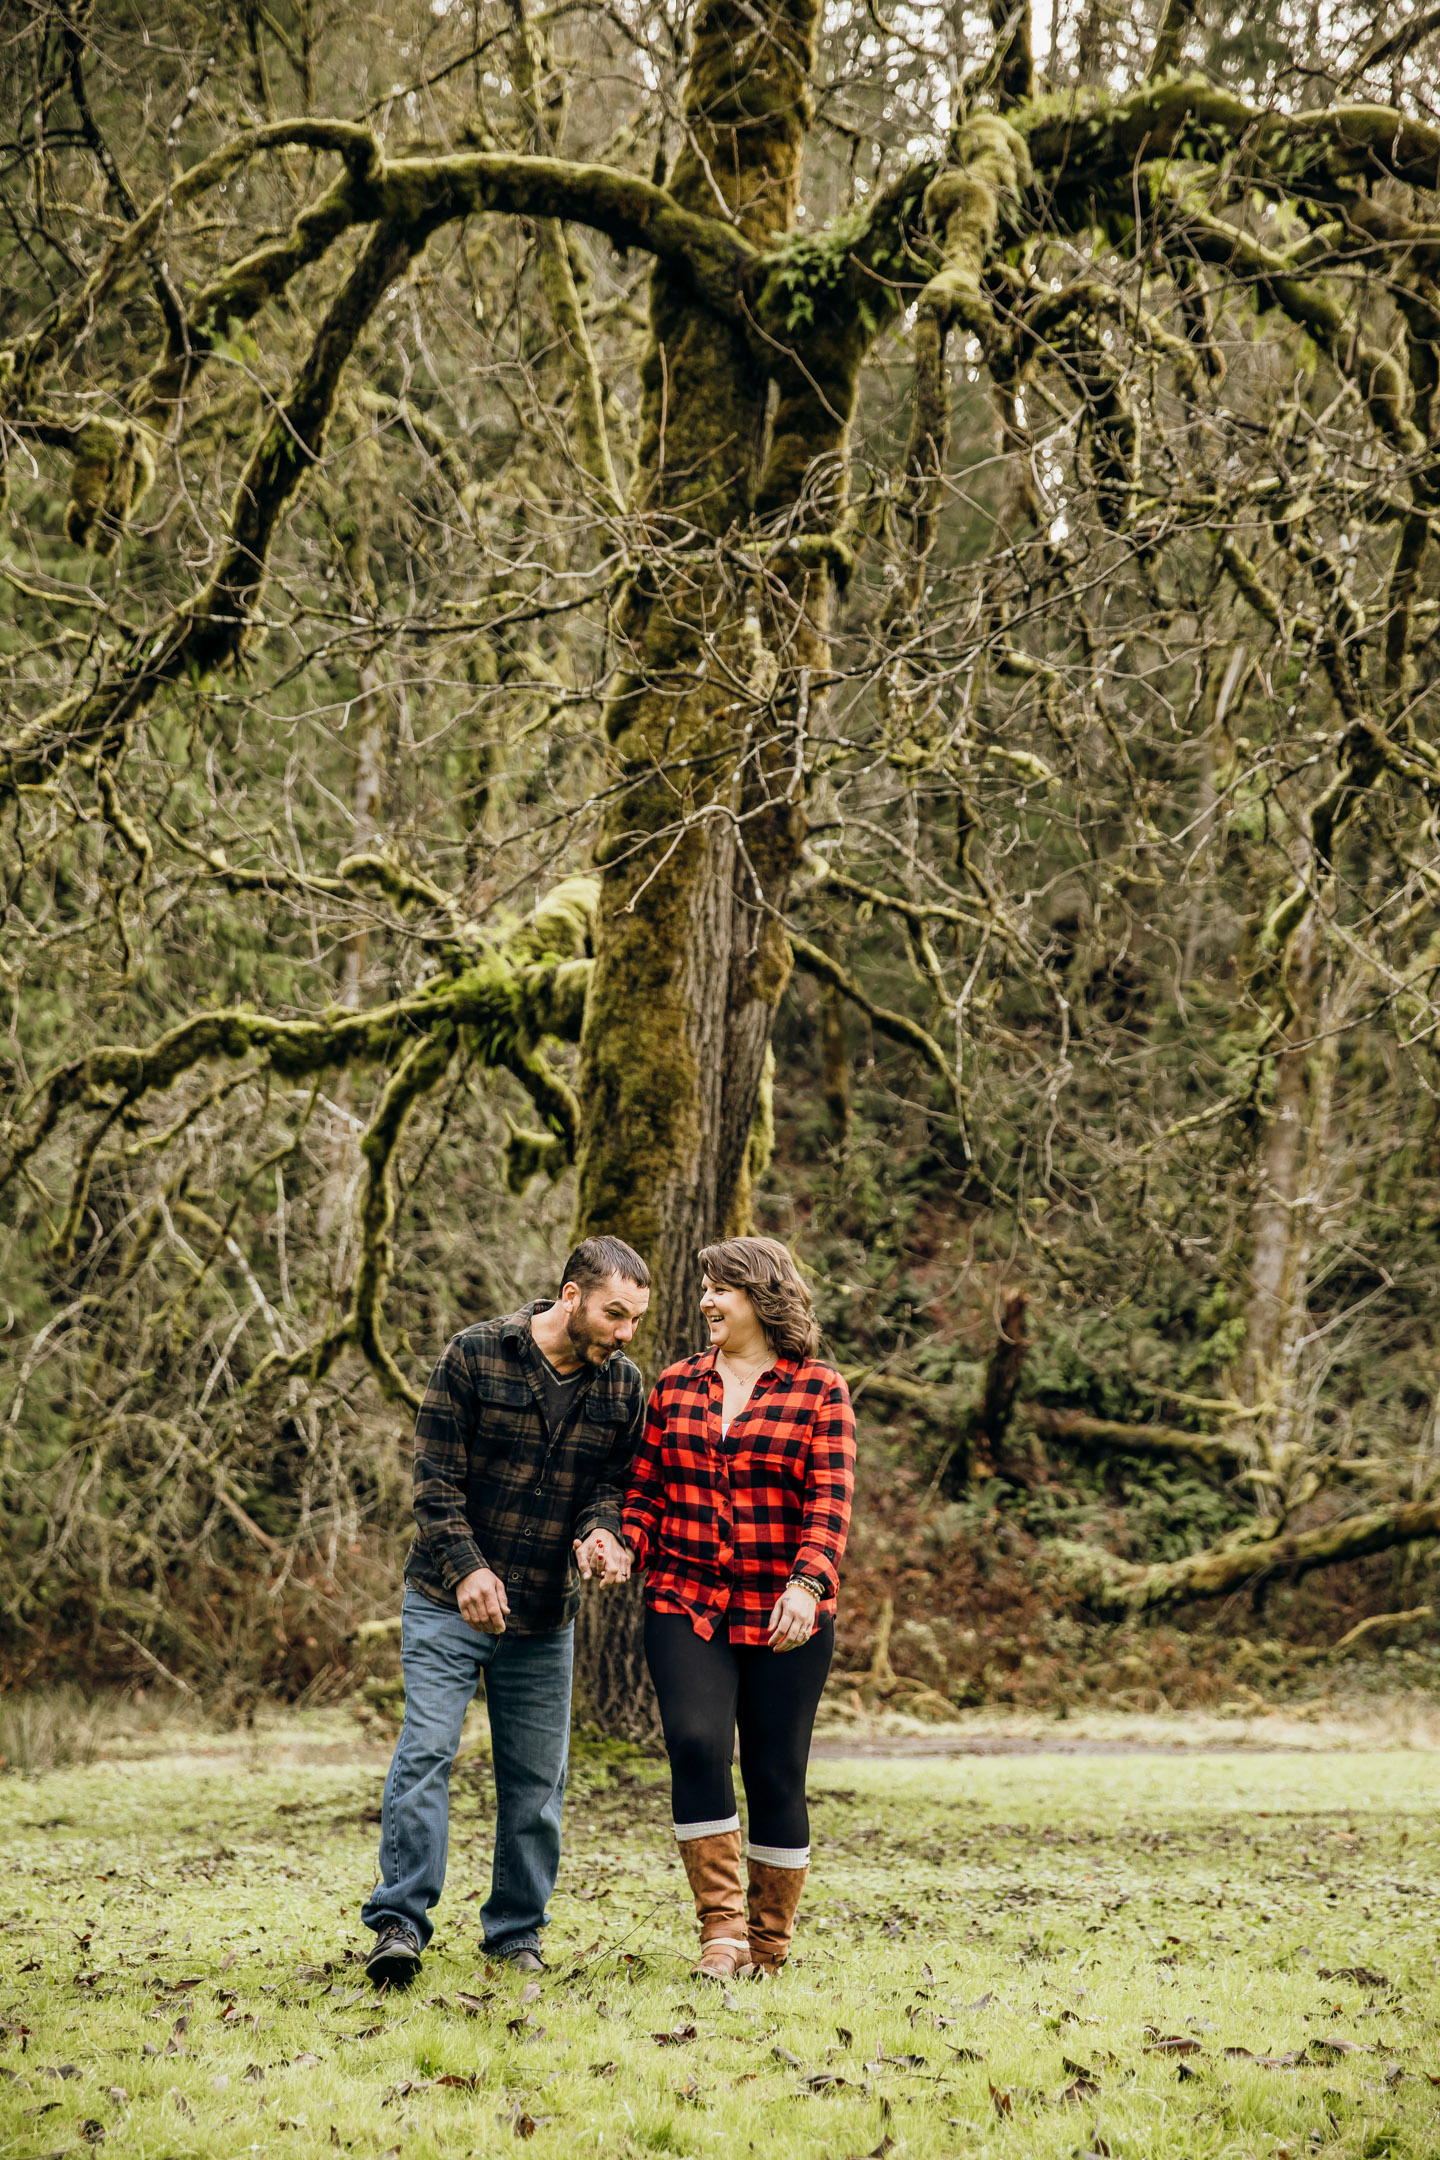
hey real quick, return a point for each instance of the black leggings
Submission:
(706, 1690)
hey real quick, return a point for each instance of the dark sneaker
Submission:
(395, 1959)
(524, 1960)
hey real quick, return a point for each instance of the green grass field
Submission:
(1136, 1954)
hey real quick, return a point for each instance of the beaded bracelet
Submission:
(816, 1589)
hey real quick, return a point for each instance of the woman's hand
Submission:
(793, 1620)
(604, 1557)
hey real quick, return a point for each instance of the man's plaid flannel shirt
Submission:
(493, 1490)
(720, 1526)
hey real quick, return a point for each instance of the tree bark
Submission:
(703, 837)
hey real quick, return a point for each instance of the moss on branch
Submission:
(1083, 149)
(1120, 1587)
(1159, 1443)
(505, 1001)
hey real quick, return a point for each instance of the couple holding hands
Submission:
(539, 1462)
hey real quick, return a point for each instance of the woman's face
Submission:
(731, 1316)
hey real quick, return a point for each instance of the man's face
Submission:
(605, 1321)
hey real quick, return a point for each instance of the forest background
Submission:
(675, 619)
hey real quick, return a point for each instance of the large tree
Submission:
(1006, 531)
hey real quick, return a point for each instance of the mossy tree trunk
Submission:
(704, 834)
(699, 848)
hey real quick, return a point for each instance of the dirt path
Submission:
(842, 1748)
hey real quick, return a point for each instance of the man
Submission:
(522, 1450)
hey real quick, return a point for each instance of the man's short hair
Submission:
(600, 1257)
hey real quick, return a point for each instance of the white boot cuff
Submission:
(794, 1856)
(684, 1831)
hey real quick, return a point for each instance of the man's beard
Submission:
(586, 1341)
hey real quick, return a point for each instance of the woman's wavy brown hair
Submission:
(764, 1270)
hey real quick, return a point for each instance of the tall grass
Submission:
(60, 1729)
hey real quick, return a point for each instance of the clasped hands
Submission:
(481, 1595)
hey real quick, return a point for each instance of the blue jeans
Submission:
(527, 1690)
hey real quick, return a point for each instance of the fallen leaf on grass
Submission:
(676, 2037)
(472, 2005)
(690, 2090)
(182, 2105)
(468, 2079)
(1079, 2090)
(1330, 2050)
(602, 2070)
(1002, 2100)
(898, 2062)
(983, 2004)
(366, 2032)
(254, 2074)
(525, 2028)
(531, 1992)
(92, 2131)
(45, 2108)
(1173, 2044)
(965, 2054)
(783, 2055)
(227, 1961)
(305, 2062)
(1185, 2071)
(523, 2124)
(60, 2070)
(1360, 1974)
(823, 2080)
(844, 2035)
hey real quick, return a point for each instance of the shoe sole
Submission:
(394, 1971)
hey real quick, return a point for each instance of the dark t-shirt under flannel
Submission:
(495, 1488)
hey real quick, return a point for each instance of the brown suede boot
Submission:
(712, 1865)
(774, 1899)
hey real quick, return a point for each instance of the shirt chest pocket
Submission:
(506, 1417)
(597, 1429)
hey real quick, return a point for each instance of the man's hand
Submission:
(482, 1601)
(792, 1621)
(604, 1557)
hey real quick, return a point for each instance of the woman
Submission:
(738, 1508)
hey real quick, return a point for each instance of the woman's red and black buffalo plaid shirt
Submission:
(721, 1525)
